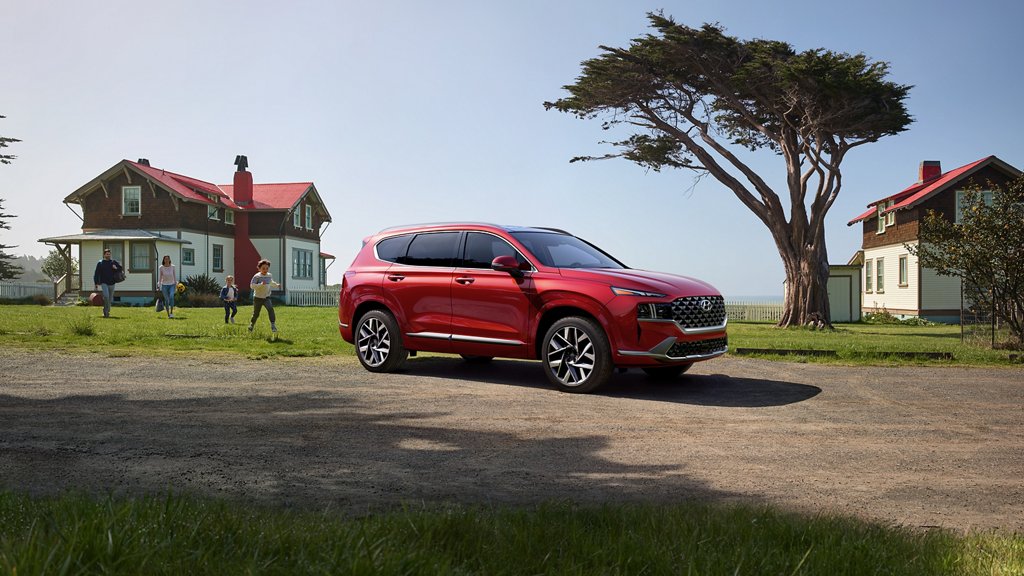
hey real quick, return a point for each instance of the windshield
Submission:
(565, 251)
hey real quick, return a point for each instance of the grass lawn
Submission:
(314, 332)
(175, 535)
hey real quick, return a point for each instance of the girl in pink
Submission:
(167, 279)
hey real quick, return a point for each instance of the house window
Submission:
(218, 258)
(131, 200)
(229, 216)
(869, 276)
(212, 213)
(961, 195)
(302, 263)
(188, 257)
(116, 250)
(141, 260)
(309, 217)
(890, 218)
(297, 218)
(880, 275)
(903, 270)
(881, 218)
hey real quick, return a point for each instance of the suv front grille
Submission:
(689, 311)
(698, 347)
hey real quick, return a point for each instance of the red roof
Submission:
(921, 191)
(182, 185)
(272, 196)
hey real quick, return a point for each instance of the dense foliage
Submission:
(8, 271)
(985, 250)
(690, 97)
(55, 266)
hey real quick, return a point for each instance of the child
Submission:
(229, 294)
(262, 284)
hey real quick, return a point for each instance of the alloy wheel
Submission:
(571, 356)
(374, 342)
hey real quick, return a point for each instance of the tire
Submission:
(667, 372)
(476, 359)
(379, 343)
(576, 355)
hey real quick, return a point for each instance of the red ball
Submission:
(96, 299)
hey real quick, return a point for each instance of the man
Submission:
(105, 278)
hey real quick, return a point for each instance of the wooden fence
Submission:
(15, 290)
(325, 298)
(749, 311)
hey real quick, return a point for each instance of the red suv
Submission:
(482, 290)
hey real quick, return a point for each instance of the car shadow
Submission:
(695, 389)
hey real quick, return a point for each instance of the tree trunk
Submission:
(806, 302)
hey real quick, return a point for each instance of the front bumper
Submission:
(673, 350)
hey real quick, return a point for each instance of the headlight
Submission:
(631, 292)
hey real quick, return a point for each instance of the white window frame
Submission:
(116, 251)
(309, 217)
(147, 258)
(125, 190)
(881, 218)
(879, 275)
(217, 261)
(213, 213)
(302, 264)
(986, 195)
(229, 216)
(296, 219)
(904, 277)
(869, 276)
(188, 256)
(890, 218)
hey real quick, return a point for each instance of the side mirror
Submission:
(508, 264)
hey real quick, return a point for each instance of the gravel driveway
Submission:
(907, 445)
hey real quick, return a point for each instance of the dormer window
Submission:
(229, 216)
(212, 213)
(297, 218)
(131, 200)
(309, 217)
(881, 218)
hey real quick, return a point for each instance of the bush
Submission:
(204, 301)
(203, 284)
(885, 317)
(40, 299)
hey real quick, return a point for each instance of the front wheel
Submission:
(378, 342)
(576, 355)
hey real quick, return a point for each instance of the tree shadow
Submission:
(312, 449)
(695, 389)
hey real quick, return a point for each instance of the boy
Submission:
(262, 284)
(229, 294)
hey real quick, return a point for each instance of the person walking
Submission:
(229, 294)
(262, 284)
(167, 279)
(105, 278)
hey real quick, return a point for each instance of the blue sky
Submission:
(404, 111)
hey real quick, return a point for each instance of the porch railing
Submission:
(64, 284)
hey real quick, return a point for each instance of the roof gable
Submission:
(921, 191)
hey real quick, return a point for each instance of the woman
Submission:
(167, 279)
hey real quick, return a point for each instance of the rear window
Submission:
(391, 249)
(433, 249)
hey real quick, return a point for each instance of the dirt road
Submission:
(914, 446)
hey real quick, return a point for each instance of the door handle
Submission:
(396, 277)
(464, 280)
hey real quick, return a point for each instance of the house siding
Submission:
(302, 283)
(896, 299)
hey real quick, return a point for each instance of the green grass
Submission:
(176, 535)
(314, 332)
(867, 344)
(141, 331)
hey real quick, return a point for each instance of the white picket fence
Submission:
(752, 311)
(325, 298)
(16, 290)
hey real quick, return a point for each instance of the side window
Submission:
(481, 249)
(391, 249)
(432, 249)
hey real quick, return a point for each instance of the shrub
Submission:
(205, 301)
(886, 317)
(203, 284)
(40, 299)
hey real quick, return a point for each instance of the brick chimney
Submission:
(246, 254)
(930, 170)
(243, 182)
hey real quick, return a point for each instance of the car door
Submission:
(491, 310)
(420, 282)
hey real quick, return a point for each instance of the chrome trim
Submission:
(660, 352)
(461, 338)
(689, 331)
(342, 324)
(483, 340)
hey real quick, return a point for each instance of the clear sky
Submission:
(411, 111)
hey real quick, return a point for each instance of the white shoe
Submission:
(273, 328)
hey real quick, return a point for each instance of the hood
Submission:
(668, 284)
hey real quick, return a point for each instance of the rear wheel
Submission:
(378, 342)
(667, 372)
(576, 355)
